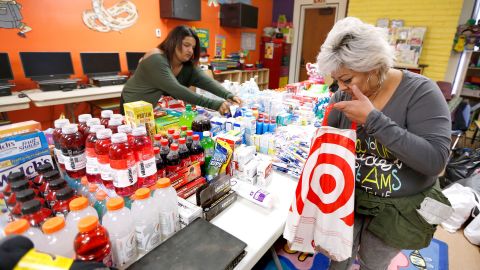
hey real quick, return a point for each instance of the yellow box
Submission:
(140, 113)
(19, 128)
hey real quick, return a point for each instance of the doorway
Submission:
(313, 21)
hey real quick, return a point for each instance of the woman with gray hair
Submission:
(403, 140)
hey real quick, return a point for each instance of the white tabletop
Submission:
(258, 227)
(13, 103)
(48, 98)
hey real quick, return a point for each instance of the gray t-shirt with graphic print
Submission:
(402, 149)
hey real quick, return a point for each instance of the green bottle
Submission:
(208, 145)
(187, 117)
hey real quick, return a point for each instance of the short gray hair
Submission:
(357, 46)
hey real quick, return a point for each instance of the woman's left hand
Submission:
(358, 108)
(235, 100)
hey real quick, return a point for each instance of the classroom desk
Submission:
(13, 103)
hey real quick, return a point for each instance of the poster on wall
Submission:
(11, 17)
(269, 50)
(204, 36)
(120, 16)
(220, 45)
(248, 41)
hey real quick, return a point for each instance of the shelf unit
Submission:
(472, 74)
(241, 76)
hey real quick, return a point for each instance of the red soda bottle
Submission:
(64, 197)
(57, 135)
(183, 131)
(39, 180)
(170, 134)
(144, 157)
(35, 213)
(173, 159)
(72, 144)
(124, 169)
(184, 153)
(91, 122)
(105, 117)
(8, 195)
(164, 149)
(127, 130)
(196, 150)
(189, 138)
(156, 140)
(176, 137)
(82, 123)
(53, 187)
(161, 166)
(48, 177)
(92, 167)
(113, 124)
(92, 242)
(102, 147)
(23, 197)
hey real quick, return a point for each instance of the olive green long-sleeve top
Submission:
(154, 79)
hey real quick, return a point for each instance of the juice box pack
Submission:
(23, 152)
(19, 128)
(140, 113)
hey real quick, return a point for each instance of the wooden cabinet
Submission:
(241, 76)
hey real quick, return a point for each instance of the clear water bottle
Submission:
(166, 202)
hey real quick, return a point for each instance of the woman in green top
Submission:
(170, 69)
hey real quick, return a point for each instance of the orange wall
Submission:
(58, 26)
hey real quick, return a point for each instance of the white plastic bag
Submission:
(472, 231)
(463, 201)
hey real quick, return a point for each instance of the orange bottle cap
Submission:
(17, 227)
(78, 204)
(142, 193)
(163, 182)
(84, 181)
(53, 224)
(101, 195)
(87, 223)
(115, 203)
(92, 187)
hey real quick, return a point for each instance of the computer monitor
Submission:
(5, 68)
(132, 60)
(47, 65)
(98, 64)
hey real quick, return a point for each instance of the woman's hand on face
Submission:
(236, 101)
(358, 108)
(224, 108)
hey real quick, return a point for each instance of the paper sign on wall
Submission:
(220, 45)
(248, 41)
(269, 50)
(204, 36)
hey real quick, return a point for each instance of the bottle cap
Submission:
(51, 175)
(101, 195)
(53, 225)
(104, 133)
(189, 132)
(157, 137)
(69, 129)
(83, 118)
(156, 150)
(84, 181)
(125, 129)
(139, 131)
(96, 128)
(19, 185)
(114, 122)
(17, 227)
(106, 113)
(176, 136)
(45, 167)
(188, 107)
(64, 193)
(171, 131)
(78, 204)
(31, 207)
(15, 176)
(57, 184)
(184, 128)
(174, 147)
(206, 134)
(25, 195)
(163, 182)
(196, 137)
(92, 188)
(260, 120)
(93, 121)
(182, 141)
(87, 223)
(60, 123)
(115, 203)
(119, 138)
(116, 116)
(142, 193)
(164, 142)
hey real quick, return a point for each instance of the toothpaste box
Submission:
(23, 152)
(242, 156)
(264, 172)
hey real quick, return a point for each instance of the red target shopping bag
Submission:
(321, 215)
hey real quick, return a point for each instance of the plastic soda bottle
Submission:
(35, 213)
(22, 227)
(196, 150)
(164, 149)
(79, 208)
(183, 131)
(156, 140)
(208, 146)
(187, 117)
(59, 239)
(53, 187)
(72, 144)
(201, 123)
(176, 137)
(64, 197)
(161, 165)
(102, 147)
(9, 196)
(57, 135)
(119, 222)
(189, 138)
(146, 218)
(82, 123)
(145, 157)
(113, 124)
(48, 177)
(173, 159)
(122, 162)
(23, 197)
(167, 205)
(92, 167)
(92, 243)
(170, 134)
(184, 153)
(105, 117)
